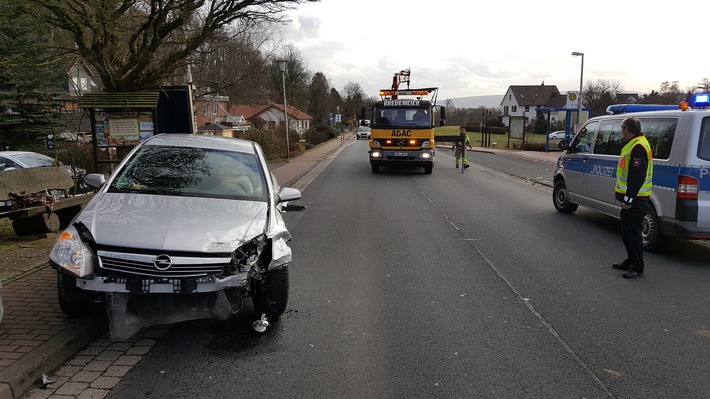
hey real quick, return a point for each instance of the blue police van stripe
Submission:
(665, 175)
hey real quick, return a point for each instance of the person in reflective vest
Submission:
(459, 147)
(633, 188)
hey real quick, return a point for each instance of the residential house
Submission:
(271, 116)
(523, 100)
(210, 109)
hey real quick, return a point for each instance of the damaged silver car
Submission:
(185, 228)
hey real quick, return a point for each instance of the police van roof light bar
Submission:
(701, 100)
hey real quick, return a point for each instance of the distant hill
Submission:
(490, 101)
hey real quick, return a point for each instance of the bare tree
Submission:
(297, 77)
(353, 100)
(669, 93)
(600, 94)
(233, 64)
(136, 44)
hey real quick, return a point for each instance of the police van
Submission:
(680, 142)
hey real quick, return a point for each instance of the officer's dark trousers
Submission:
(631, 223)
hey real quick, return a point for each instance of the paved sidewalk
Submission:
(36, 337)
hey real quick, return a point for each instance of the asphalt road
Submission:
(451, 285)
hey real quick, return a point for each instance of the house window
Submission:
(510, 97)
(505, 110)
(527, 108)
(514, 108)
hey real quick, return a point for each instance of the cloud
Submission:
(305, 28)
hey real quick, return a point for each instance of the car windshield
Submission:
(363, 129)
(197, 172)
(405, 117)
(34, 159)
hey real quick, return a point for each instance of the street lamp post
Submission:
(282, 67)
(579, 96)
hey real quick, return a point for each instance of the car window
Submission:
(704, 144)
(609, 140)
(659, 132)
(6, 163)
(193, 172)
(33, 160)
(583, 139)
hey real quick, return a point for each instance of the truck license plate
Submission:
(401, 154)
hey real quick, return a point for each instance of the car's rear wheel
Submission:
(271, 294)
(561, 200)
(651, 235)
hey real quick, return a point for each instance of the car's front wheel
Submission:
(271, 293)
(73, 301)
(561, 200)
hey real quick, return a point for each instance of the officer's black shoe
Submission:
(620, 266)
(632, 274)
(465, 166)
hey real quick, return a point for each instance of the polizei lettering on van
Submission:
(401, 103)
(603, 170)
(401, 133)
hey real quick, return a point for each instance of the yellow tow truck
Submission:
(402, 126)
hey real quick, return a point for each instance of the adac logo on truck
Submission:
(401, 133)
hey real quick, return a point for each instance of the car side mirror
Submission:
(563, 145)
(95, 180)
(289, 194)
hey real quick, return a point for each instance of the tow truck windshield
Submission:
(402, 117)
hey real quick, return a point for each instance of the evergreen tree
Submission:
(30, 76)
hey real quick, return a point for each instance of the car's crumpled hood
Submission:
(160, 222)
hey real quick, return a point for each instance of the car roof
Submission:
(202, 141)
(11, 153)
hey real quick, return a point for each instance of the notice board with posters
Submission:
(119, 122)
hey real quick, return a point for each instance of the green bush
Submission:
(274, 147)
(533, 147)
(321, 134)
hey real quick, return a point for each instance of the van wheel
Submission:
(428, 169)
(375, 168)
(561, 199)
(653, 240)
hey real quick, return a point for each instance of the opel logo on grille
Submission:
(162, 262)
(400, 143)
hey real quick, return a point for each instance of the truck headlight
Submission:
(71, 254)
(375, 154)
(426, 143)
(376, 143)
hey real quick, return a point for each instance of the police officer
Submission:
(461, 141)
(633, 189)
